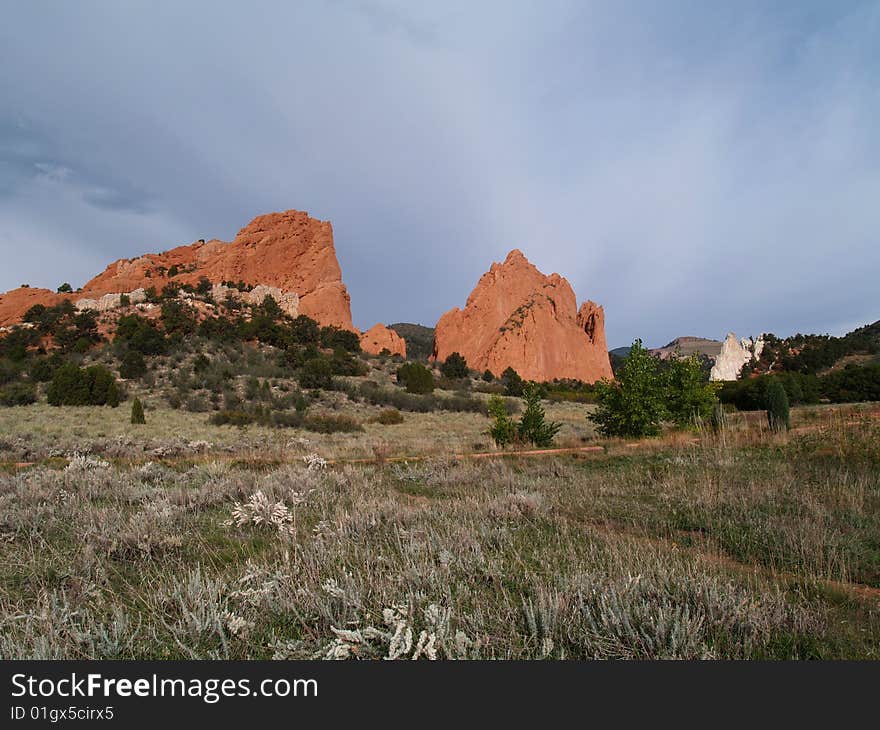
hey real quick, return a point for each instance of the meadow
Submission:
(180, 539)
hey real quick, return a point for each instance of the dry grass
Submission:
(40, 431)
(739, 546)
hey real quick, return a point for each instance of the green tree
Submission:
(73, 386)
(455, 366)
(65, 288)
(68, 387)
(335, 338)
(133, 365)
(533, 426)
(140, 334)
(137, 412)
(777, 406)
(103, 389)
(633, 404)
(305, 331)
(18, 394)
(204, 286)
(689, 394)
(178, 319)
(503, 428)
(316, 373)
(512, 382)
(416, 378)
(488, 376)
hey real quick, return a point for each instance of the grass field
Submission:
(181, 539)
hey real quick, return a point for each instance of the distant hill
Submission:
(817, 354)
(689, 346)
(419, 339)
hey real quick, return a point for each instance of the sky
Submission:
(697, 168)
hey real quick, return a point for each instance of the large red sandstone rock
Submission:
(14, 303)
(379, 337)
(518, 317)
(289, 250)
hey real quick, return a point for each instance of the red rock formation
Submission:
(289, 250)
(518, 317)
(379, 338)
(14, 303)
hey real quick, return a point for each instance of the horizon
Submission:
(718, 175)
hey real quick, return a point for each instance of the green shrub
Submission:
(328, 423)
(18, 394)
(73, 386)
(455, 366)
(389, 417)
(65, 288)
(141, 335)
(137, 412)
(133, 366)
(178, 319)
(41, 370)
(235, 418)
(201, 363)
(322, 423)
(377, 396)
(777, 407)
(197, 404)
(315, 374)
(488, 376)
(342, 363)
(416, 378)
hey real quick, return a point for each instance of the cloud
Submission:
(694, 168)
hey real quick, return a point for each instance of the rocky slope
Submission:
(687, 346)
(289, 255)
(518, 317)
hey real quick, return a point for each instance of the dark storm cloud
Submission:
(694, 167)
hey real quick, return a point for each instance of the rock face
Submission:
(734, 355)
(518, 317)
(14, 303)
(290, 252)
(379, 338)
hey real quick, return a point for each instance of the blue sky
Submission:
(695, 167)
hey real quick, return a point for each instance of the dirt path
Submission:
(370, 459)
(473, 455)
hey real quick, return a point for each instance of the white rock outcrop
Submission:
(734, 355)
(110, 301)
(287, 301)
